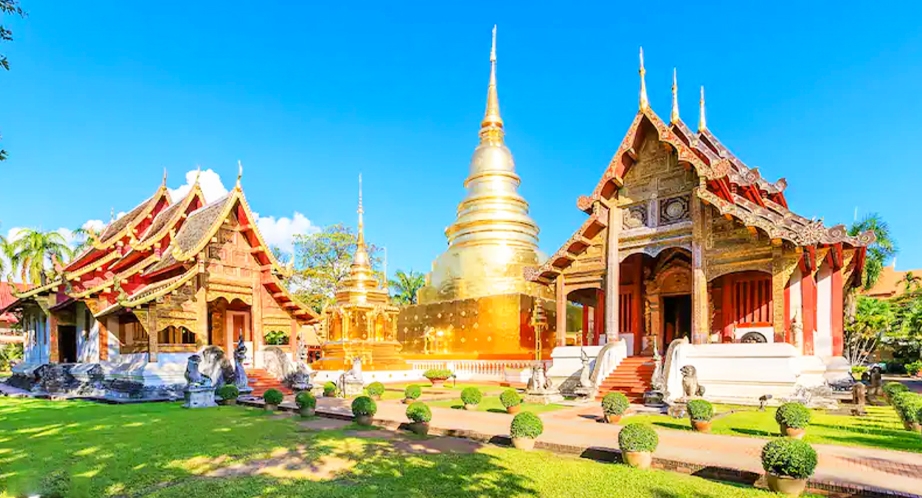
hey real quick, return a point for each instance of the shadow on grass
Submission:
(754, 432)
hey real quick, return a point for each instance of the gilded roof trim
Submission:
(158, 289)
(92, 266)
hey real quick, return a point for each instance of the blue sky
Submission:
(103, 95)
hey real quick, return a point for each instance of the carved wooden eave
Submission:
(114, 281)
(95, 265)
(281, 295)
(35, 291)
(157, 290)
(578, 243)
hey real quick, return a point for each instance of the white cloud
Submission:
(97, 225)
(209, 181)
(280, 232)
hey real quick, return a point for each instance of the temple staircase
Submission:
(632, 377)
(261, 381)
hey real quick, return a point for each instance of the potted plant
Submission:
(525, 428)
(375, 390)
(511, 400)
(637, 443)
(891, 389)
(471, 397)
(788, 464)
(306, 402)
(437, 376)
(700, 412)
(363, 409)
(412, 393)
(228, 394)
(793, 419)
(329, 389)
(419, 415)
(273, 398)
(613, 407)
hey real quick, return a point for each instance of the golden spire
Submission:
(163, 182)
(111, 214)
(361, 253)
(674, 117)
(491, 128)
(702, 120)
(644, 103)
(239, 173)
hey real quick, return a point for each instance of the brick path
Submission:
(838, 465)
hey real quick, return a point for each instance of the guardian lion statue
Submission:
(193, 376)
(690, 384)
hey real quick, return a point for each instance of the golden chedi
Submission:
(477, 301)
(362, 322)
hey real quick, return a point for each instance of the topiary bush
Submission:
(700, 410)
(471, 396)
(364, 406)
(526, 424)
(437, 374)
(891, 389)
(273, 397)
(638, 437)
(615, 404)
(510, 398)
(228, 391)
(375, 389)
(793, 415)
(789, 458)
(907, 406)
(413, 391)
(419, 412)
(329, 388)
(305, 399)
(914, 368)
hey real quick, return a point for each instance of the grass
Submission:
(492, 404)
(160, 450)
(881, 428)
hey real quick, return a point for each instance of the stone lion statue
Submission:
(217, 366)
(193, 376)
(690, 384)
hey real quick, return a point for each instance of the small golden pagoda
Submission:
(361, 323)
(477, 301)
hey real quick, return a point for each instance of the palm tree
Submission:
(911, 282)
(879, 252)
(84, 236)
(34, 251)
(6, 256)
(405, 285)
(873, 318)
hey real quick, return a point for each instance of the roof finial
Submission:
(198, 174)
(644, 103)
(491, 128)
(702, 120)
(111, 214)
(239, 173)
(163, 183)
(361, 212)
(674, 117)
(361, 253)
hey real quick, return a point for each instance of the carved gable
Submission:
(657, 190)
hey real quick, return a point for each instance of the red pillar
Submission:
(586, 324)
(598, 319)
(787, 315)
(808, 298)
(728, 312)
(103, 340)
(838, 313)
(53, 339)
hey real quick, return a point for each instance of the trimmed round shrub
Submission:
(329, 388)
(510, 398)
(413, 391)
(789, 458)
(273, 397)
(419, 412)
(614, 404)
(891, 389)
(700, 410)
(363, 405)
(914, 367)
(437, 374)
(306, 399)
(471, 396)
(907, 405)
(793, 415)
(638, 437)
(375, 389)
(526, 424)
(228, 391)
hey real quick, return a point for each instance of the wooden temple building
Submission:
(160, 283)
(683, 239)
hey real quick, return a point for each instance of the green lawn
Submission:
(161, 450)
(395, 391)
(881, 428)
(492, 404)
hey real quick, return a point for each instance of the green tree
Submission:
(405, 285)
(83, 237)
(7, 7)
(36, 254)
(911, 282)
(321, 263)
(883, 248)
(6, 257)
(872, 321)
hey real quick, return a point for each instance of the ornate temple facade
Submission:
(159, 284)
(683, 239)
(476, 302)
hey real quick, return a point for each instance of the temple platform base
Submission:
(199, 397)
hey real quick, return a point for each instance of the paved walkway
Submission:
(838, 465)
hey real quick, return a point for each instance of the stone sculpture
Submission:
(216, 365)
(540, 389)
(194, 377)
(859, 398)
(763, 400)
(199, 391)
(584, 380)
(798, 330)
(351, 383)
(240, 375)
(690, 385)
(875, 379)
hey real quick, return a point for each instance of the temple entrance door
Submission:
(238, 323)
(67, 344)
(676, 318)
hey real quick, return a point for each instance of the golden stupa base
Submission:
(375, 355)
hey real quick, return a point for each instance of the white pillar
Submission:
(822, 342)
(613, 275)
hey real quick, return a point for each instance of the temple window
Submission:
(277, 338)
(176, 335)
(131, 334)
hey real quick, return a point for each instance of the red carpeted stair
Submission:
(261, 381)
(632, 378)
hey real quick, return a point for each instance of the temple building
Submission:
(477, 303)
(159, 284)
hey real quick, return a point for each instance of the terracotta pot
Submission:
(786, 485)
(228, 402)
(523, 443)
(376, 397)
(421, 428)
(701, 425)
(638, 459)
(907, 425)
(513, 409)
(792, 432)
(471, 408)
(916, 427)
(611, 419)
(437, 382)
(363, 419)
(271, 408)
(407, 401)
(306, 412)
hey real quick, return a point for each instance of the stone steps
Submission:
(261, 381)
(633, 378)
